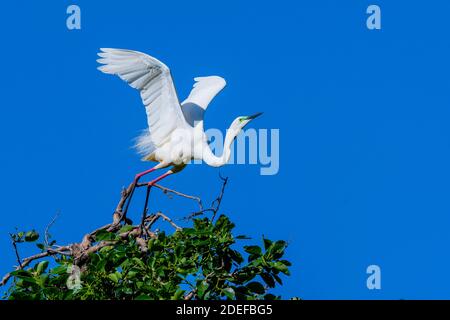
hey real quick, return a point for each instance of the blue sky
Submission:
(363, 118)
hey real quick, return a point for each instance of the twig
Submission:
(215, 205)
(165, 218)
(218, 201)
(190, 295)
(125, 194)
(47, 228)
(180, 194)
(16, 250)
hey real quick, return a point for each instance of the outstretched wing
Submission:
(154, 81)
(205, 89)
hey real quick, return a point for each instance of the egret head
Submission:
(240, 122)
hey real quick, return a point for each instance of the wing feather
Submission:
(154, 81)
(204, 90)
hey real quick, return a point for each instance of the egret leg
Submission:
(149, 186)
(140, 175)
(135, 182)
(168, 173)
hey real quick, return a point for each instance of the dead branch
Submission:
(169, 191)
(16, 250)
(215, 205)
(190, 295)
(158, 215)
(47, 229)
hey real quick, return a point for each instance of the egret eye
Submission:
(242, 119)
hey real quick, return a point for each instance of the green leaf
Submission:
(254, 257)
(277, 248)
(256, 287)
(277, 278)
(229, 292)
(143, 297)
(280, 266)
(61, 269)
(268, 279)
(243, 237)
(177, 295)
(115, 277)
(286, 263)
(267, 243)
(31, 236)
(254, 250)
(201, 288)
(21, 273)
(236, 256)
(42, 280)
(40, 246)
(41, 266)
(25, 276)
(139, 262)
(28, 280)
(104, 235)
(126, 228)
(244, 276)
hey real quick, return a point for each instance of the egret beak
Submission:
(253, 116)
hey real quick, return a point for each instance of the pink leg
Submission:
(136, 180)
(149, 186)
(140, 175)
(168, 173)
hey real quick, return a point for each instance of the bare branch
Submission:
(218, 201)
(215, 205)
(47, 229)
(165, 218)
(190, 295)
(166, 190)
(16, 251)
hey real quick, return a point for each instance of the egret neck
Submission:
(215, 161)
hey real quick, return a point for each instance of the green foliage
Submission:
(21, 236)
(200, 259)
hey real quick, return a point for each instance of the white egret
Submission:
(175, 132)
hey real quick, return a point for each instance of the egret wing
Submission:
(154, 81)
(204, 90)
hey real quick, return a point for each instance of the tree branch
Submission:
(215, 205)
(167, 191)
(16, 251)
(165, 218)
(47, 229)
